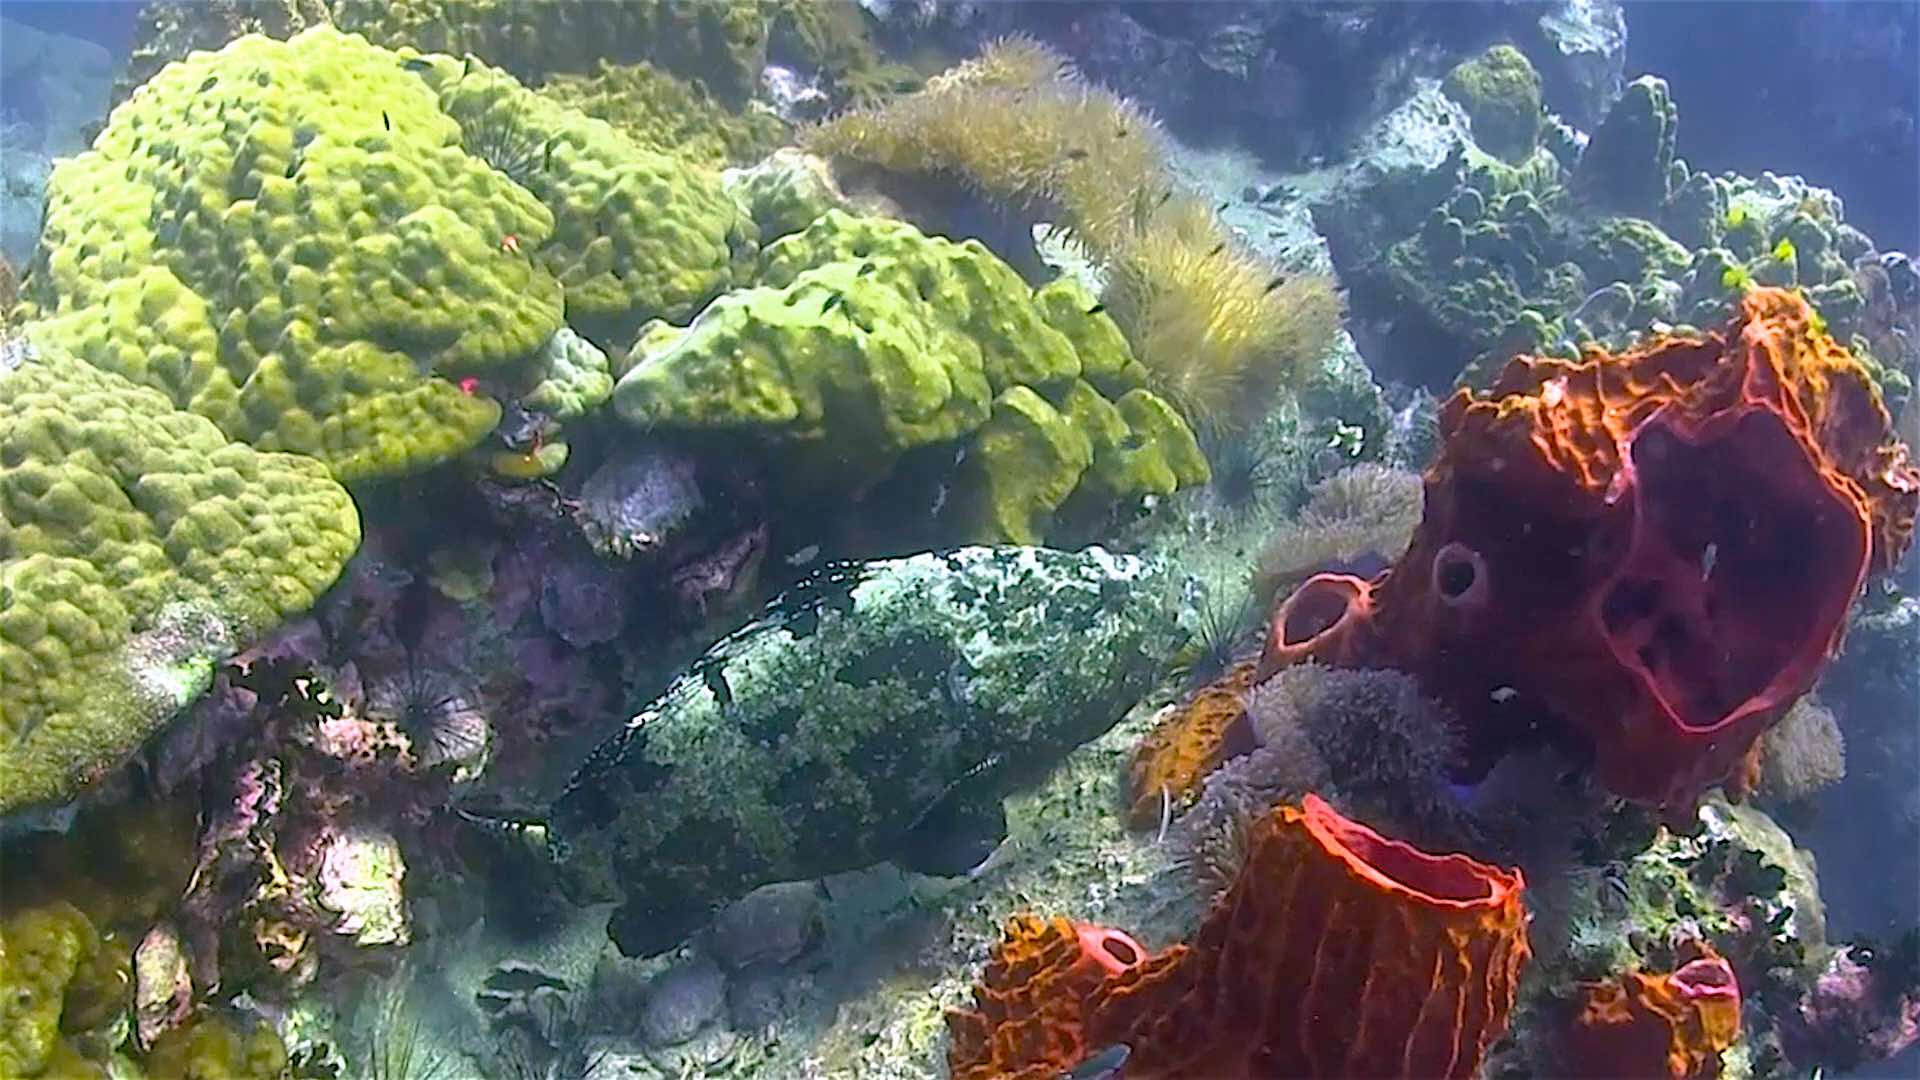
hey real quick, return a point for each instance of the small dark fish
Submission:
(417, 64)
(1076, 154)
(546, 156)
(1217, 249)
(1121, 133)
(865, 269)
(1096, 309)
(1278, 280)
(386, 120)
(1224, 203)
(1164, 196)
(208, 85)
(466, 66)
(832, 302)
(1104, 1065)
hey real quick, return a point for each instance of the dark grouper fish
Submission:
(877, 711)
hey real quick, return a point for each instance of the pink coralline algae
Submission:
(1853, 1013)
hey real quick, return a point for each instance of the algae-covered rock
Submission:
(877, 710)
(724, 46)
(869, 340)
(288, 239)
(137, 548)
(785, 192)
(1628, 164)
(1501, 93)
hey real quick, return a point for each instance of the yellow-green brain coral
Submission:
(138, 546)
(637, 234)
(289, 239)
(868, 340)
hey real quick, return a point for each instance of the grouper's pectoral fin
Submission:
(955, 835)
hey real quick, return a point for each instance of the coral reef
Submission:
(219, 244)
(1419, 954)
(1464, 254)
(137, 548)
(1501, 93)
(1589, 525)
(697, 800)
(844, 364)
(636, 233)
(1217, 329)
(56, 977)
(669, 115)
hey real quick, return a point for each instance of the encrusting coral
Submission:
(137, 548)
(1417, 955)
(1602, 547)
(868, 339)
(1216, 327)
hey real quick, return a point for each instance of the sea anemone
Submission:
(1364, 514)
(1218, 329)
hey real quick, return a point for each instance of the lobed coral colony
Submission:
(674, 539)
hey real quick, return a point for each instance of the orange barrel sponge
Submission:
(1651, 553)
(1647, 1026)
(1337, 952)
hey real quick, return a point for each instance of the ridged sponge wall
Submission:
(1336, 953)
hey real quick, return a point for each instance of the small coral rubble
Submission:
(1418, 955)
(1652, 553)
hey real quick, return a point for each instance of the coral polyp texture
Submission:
(138, 546)
(1672, 1024)
(288, 239)
(1651, 554)
(1337, 952)
(868, 340)
(637, 233)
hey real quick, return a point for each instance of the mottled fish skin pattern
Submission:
(811, 741)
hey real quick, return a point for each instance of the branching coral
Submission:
(1217, 328)
(1417, 954)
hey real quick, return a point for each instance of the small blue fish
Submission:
(1104, 1065)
